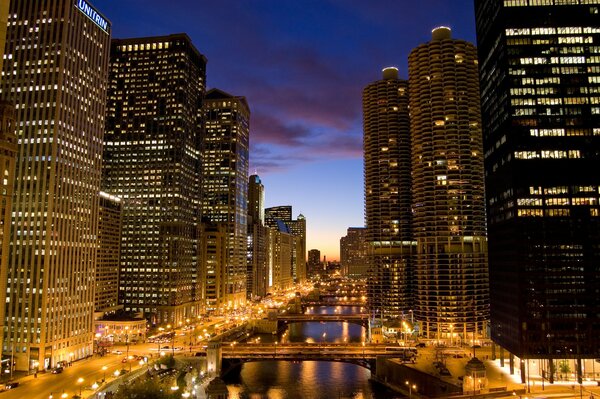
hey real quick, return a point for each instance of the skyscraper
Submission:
(54, 70)
(152, 162)
(276, 214)
(3, 26)
(256, 199)
(225, 183)
(354, 252)
(109, 253)
(258, 235)
(540, 74)
(314, 265)
(8, 155)
(447, 188)
(388, 215)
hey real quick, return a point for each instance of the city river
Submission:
(308, 379)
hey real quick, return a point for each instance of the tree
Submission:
(145, 389)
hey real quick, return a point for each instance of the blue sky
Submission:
(301, 65)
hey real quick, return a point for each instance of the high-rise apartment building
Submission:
(109, 253)
(447, 187)
(8, 155)
(152, 162)
(540, 96)
(388, 214)
(354, 252)
(225, 183)
(55, 67)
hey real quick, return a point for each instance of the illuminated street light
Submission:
(79, 382)
(410, 388)
(104, 370)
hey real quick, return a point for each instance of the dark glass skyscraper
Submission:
(225, 185)
(388, 214)
(152, 162)
(540, 95)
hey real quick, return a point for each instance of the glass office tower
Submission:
(540, 96)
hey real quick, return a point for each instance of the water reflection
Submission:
(308, 379)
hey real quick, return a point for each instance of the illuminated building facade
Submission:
(213, 270)
(314, 265)
(3, 26)
(353, 253)
(282, 247)
(55, 67)
(225, 183)
(451, 296)
(388, 215)
(256, 200)
(540, 96)
(8, 155)
(258, 234)
(109, 253)
(296, 227)
(152, 162)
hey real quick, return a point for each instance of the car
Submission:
(11, 385)
(124, 360)
(420, 345)
(476, 346)
(165, 347)
(57, 370)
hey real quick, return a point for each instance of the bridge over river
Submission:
(357, 318)
(227, 356)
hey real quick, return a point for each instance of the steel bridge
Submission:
(365, 355)
(356, 318)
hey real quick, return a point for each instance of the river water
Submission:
(308, 379)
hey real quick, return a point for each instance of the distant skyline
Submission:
(302, 66)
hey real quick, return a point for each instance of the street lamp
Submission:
(79, 382)
(127, 341)
(410, 388)
(275, 348)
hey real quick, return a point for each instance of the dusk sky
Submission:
(302, 65)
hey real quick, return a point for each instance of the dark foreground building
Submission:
(540, 74)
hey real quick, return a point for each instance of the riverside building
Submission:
(225, 186)
(388, 214)
(55, 73)
(152, 162)
(451, 295)
(540, 96)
